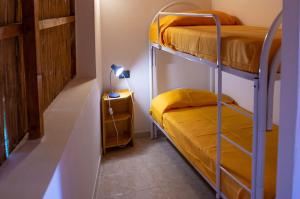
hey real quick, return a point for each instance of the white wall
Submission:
(125, 25)
(98, 43)
(76, 173)
(254, 12)
(85, 38)
(174, 72)
(258, 13)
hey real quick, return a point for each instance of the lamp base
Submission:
(114, 95)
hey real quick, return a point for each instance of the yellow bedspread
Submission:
(241, 45)
(193, 130)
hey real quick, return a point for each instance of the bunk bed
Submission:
(219, 41)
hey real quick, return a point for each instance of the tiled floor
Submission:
(150, 169)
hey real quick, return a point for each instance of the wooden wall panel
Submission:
(56, 54)
(2, 144)
(73, 39)
(22, 93)
(31, 45)
(11, 90)
(8, 11)
(55, 61)
(54, 8)
(13, 93)
(11, 110)
(35, 64)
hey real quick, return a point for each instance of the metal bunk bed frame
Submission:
(263, 98)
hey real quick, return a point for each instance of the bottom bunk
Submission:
(189, 118)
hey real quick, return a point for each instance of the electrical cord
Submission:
(111, 112)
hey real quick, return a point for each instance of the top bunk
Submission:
(219, 39)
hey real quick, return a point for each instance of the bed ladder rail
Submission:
(236, 179)
(262, 117)
(246, 114)
(237, 145)
(251, 154)
(221, 136)
(243, 112)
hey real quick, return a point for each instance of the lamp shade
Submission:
(118, 70)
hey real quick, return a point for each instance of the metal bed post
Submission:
(262, 107)
(151, 61)
(254, 138)
(272, 78)
(152, 58)
(154, 71)
(219, 134)
(261, 138)
(152, 68)
(219, 128)
(219, 68)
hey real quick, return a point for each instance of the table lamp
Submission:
(117, 70)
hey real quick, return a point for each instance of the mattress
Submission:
(193, 131)
(241, 45)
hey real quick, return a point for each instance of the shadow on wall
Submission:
(174, 72)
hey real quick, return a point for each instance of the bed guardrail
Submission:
(172, 4)
(213, 16)
(269, 78)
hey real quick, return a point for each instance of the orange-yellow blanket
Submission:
(193, 130)
(241, 45)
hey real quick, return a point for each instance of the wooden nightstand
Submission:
(123, 117)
